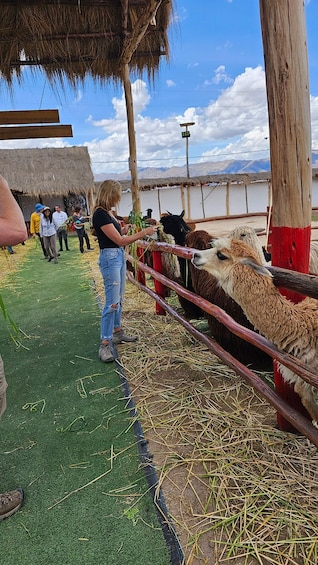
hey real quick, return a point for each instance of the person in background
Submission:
(79, 225)
(60, 219)
(12, 231)
(35, 225)
(112, 238)
(48, 233)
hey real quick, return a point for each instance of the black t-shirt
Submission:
(102, 218)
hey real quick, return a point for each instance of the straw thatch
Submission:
(220, 178)
(74, 39)
(47, 171)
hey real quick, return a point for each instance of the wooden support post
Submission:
(141, 276)
(227, 199)
(160, 289)
(132, 141)
(90, 200)
(286, 65)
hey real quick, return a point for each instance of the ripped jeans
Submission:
(112, 264)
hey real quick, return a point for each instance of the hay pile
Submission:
(238, 489)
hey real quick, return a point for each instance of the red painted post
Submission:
(159, 287)
(290, 250)
(141, 277)
(287, 83)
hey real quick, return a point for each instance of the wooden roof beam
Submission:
(132, 41)
(32, 132)
(81, 59)
(124, 9)
(76, 3)
(29, 117)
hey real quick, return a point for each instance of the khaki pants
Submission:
(3, 388)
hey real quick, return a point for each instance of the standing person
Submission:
(12, 231)
(48, 233)
(112, 239)
(35, 224)
(60, 220)
(79, 225)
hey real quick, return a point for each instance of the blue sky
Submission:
(215, 78)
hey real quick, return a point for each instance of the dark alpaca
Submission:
(175, 225)
(205, 285)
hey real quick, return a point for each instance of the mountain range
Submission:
(199, 169)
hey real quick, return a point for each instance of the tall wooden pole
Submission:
(132, 141)
(287, 82)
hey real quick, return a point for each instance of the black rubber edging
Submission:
(176, 554)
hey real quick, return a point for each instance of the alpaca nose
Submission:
(196, 259)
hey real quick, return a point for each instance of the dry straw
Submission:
(238, 489)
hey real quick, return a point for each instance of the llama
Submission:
(175, 226)
(204, 284)
(249, 235)
(291, 327)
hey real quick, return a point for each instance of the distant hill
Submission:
(199, 169)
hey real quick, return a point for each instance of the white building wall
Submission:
(206, 202)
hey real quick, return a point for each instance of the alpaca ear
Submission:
(259, 269)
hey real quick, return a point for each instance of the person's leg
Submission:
(42, 245)
(117, 319)
(10, 502)
(65, 240)
(81, 239)
(88, 244)
(60, 238)
(119, 335)
(46, 244)
(110, 267)
(53, 247)
(3, 388)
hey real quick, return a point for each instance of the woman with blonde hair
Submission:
(112, 239)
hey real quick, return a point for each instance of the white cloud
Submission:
(234, 124)
(220, 75)
(237, 120)
(170, 83)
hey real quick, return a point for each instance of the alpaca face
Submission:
(221, 259)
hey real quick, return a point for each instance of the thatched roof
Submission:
(47, 171)
(223, 178)
(75, 39)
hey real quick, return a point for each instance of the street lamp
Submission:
(186, 134)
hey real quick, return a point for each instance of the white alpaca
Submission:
(250, 237)
(291, 327)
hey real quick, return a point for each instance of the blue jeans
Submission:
(112, 264)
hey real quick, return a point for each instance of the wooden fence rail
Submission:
(305, 284)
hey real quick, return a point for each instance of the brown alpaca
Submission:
(205, 285)
(291, 327)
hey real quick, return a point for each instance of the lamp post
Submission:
(186, 134)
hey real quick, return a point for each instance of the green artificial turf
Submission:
(66, 436)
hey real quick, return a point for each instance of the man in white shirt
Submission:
(60, 220)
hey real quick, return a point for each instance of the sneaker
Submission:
(105, 353)
(121, 337)
(10, 502)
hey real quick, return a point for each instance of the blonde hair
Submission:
(108, 194)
